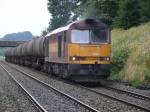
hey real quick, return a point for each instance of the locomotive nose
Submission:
(89, 51)
(89, 54)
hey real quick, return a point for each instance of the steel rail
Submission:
(31, 98)
(130, 93)
(145, 108)
(51, 87)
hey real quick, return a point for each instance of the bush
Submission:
(118, 59)
(147, 69)
(135, 82)
(147, 75)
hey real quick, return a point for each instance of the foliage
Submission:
(108, 10)
(118, 59)
(147, 68)
(116, 13)
(134, 42)
(44, 32)
(136, 82)
(148, 63)
(128, 14)
(147, 75)
(145, 8)
(101, 9)
(61, 12)
(88, 9)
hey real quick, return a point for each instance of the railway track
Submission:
(143, 106)
(118, 91)
(50, 87)
(130, 93)
(31, 98)
(106, 91)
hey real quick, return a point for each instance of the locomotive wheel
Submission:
(65, 74)
(49, 70)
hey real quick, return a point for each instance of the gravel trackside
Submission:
(98, 102)
(12, 99)
(49, 99)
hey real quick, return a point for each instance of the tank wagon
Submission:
(80, 51)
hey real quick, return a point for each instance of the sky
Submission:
(23, 15)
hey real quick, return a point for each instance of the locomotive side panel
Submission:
(52, 48)
(58, 48)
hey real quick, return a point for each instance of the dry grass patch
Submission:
(136, 40)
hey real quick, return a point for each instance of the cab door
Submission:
(59, 46)
(62, 47)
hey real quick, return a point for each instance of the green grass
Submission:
(131, 54)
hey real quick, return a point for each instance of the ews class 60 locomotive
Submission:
(79, 51)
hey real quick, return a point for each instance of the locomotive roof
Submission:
(60, 29)
(89, 21)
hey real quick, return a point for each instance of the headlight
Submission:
(107, 59)
(104, 58)
(73, 58)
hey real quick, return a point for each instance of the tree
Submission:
(62, 12)
(106, 10)
(145, 10)
(128, 14)
(44, 32)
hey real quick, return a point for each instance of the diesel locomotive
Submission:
(79, 51)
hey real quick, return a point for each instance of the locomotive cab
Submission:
(90, 46)
(80, 51)
(89, 53)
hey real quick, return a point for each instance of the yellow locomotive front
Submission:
(89, 52)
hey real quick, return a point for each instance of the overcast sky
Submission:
(23, 15)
